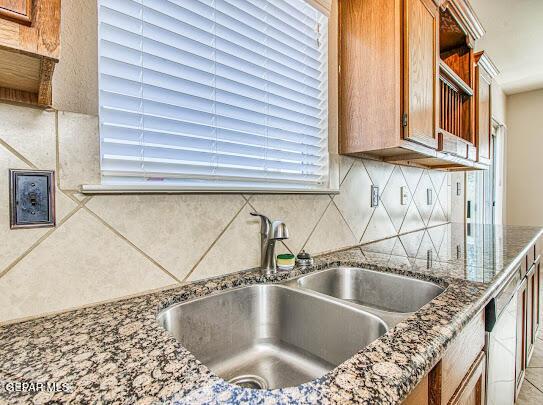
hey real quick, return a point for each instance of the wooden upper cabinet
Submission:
(369, 85)
(17, 10)
(420, 65)
(484, 72)
(389, 86)
(29, 50)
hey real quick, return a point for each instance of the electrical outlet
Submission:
(429, 196)
(32, 201)
(374, 196)
(404, 195)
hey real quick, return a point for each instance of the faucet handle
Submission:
(265, 222)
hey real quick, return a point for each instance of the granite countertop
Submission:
(117, 352)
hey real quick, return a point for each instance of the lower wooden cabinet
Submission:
(419, 396)
(472, 388)
(459, 377)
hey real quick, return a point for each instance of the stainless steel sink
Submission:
(271, 336)
(382, 291)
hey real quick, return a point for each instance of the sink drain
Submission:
(250, 381)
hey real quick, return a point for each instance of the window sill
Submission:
(156, 189)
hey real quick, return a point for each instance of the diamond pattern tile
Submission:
(391, 198)
(412, 220)
(300, 212)
(332, 232)
(353, 200)
(379, 172)
(379, 227)
(412, 176)
(420, 197)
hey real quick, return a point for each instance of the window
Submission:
(214, 94)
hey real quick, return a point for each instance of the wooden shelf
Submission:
(29, 52)
(26, 79)
(454, 80)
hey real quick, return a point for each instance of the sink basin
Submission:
(270, 336)
(383, 291)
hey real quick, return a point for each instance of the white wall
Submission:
(524, 158)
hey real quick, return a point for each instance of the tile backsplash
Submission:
(111, 246)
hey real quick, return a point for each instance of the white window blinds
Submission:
(205, 94)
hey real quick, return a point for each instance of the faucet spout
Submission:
(270, 232)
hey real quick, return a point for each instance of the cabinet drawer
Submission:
(447, 376)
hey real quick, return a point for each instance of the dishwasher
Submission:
(501, 339)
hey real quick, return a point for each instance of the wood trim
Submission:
(18, 96)
(25, 18)
(46, 82)
(464, 14)
(455, 79)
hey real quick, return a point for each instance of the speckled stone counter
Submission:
(117, 352)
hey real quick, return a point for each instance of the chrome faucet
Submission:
(270, 232)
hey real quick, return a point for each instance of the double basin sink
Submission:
(270, 336)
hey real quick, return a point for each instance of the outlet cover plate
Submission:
(404, 195)
(374, 196)
(429, 196)
(32, 198)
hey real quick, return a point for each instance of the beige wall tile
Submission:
(237, 249)
(412, 176)
(437, 177)
(82, 262)
(331, 233)
(457, 201)
(31, 132)
(13, 243)
(175, 230)
(412, 220)
(345, 164)
(379, 226)
(444, 195)
(379, 172)
(79, 150)
(353, 200)
(420, 197)
(390, 198)
(438, 215)
(300, 212)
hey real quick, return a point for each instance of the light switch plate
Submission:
(374, 196)
(404, 196)
(32, 198)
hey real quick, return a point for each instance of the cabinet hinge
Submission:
(404, 119)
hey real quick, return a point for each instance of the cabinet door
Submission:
(482, 105)
(520, 361)
(18, 10)
(472, 389)
(420, 71)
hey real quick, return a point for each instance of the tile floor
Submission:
(531, 392)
